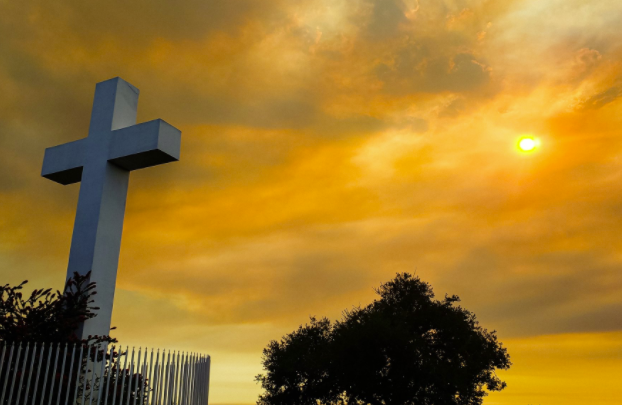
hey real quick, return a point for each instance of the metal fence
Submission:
(44, 374)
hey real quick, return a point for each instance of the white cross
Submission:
(102, 162)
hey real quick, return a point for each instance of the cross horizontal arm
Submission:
(144, 145)
(63, 163)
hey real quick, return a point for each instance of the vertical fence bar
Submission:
(189, 399)
(21, 377)
(137, 372)
(170, 397)
(206, 379)
(151, 398)
(73, 353)
(164, 378)
(161, 377)
(180, 378)
(188, 381)
(93, 373)
(110, 370)
(6, 380)
(36, 387)
(62, 369)
(54, 373)
(31, 368)
(199, 386)
(47, 371)
(203, 398)
(209, 363)
(195, 363)
(178, 368)
(201, 374)
(102, 369)
(129, 378)
(162, 383)
(184, 380)
(15, 371)
(198, 379)
(148, 379)
(85, 377)
(194, 379)
(78, 373)
(176, 380)
(4, 345)
(191, 381)
(129, 387)
(114, 398)
(167, 389)
(155, 379)
(182, 373)
(144, 377)
(127, 354)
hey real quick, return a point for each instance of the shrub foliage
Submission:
(47, 316)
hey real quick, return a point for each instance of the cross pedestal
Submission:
(102, 162)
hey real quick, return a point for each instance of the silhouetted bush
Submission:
(46, 316)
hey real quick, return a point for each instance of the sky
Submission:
(326, 146)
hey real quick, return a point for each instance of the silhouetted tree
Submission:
(405, 348)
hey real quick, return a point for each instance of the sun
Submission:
(528, 143)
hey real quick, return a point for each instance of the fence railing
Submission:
(44, 374)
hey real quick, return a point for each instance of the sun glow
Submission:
(528, 144)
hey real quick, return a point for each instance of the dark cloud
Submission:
(553, 296)
(415, 71)
(601, 99)
(385, 20)
(454, 108)
(132, 24)
(418, 125)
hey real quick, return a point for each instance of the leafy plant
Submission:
(46, 316)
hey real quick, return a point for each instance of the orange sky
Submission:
(327, 145)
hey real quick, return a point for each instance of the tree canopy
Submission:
(405, 348)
